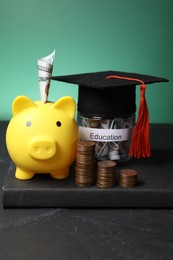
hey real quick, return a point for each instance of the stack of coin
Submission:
(128, 178)
(85, 163)
(106, 171)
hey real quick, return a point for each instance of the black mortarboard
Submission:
(108, 98)
(111, 94)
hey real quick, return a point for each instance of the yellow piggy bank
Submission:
(41, 138)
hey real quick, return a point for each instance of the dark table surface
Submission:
(61, 233)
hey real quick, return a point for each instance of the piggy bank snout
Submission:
(42, 147)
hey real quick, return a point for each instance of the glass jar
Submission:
(112, 136)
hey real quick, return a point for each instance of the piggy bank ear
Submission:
(66, 104)
(20, 103)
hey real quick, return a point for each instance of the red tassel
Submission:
(140, 144)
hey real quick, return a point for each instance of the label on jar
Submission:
(105, 135)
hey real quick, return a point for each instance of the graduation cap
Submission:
(111, 94)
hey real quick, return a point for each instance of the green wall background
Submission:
(92, 35)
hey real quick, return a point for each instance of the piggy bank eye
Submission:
(58, 123)
(28, 123)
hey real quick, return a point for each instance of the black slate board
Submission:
(154, 190)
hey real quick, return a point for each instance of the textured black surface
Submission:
(96, 234)
(155, 188)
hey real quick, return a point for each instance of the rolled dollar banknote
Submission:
(45, 68)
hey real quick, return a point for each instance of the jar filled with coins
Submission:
(112, 136)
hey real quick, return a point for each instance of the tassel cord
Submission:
(140, 144)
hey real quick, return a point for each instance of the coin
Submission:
(94, 123)
(106, 171)
(85, 163)
(85, 146)
(128, 178)
(106, 164)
